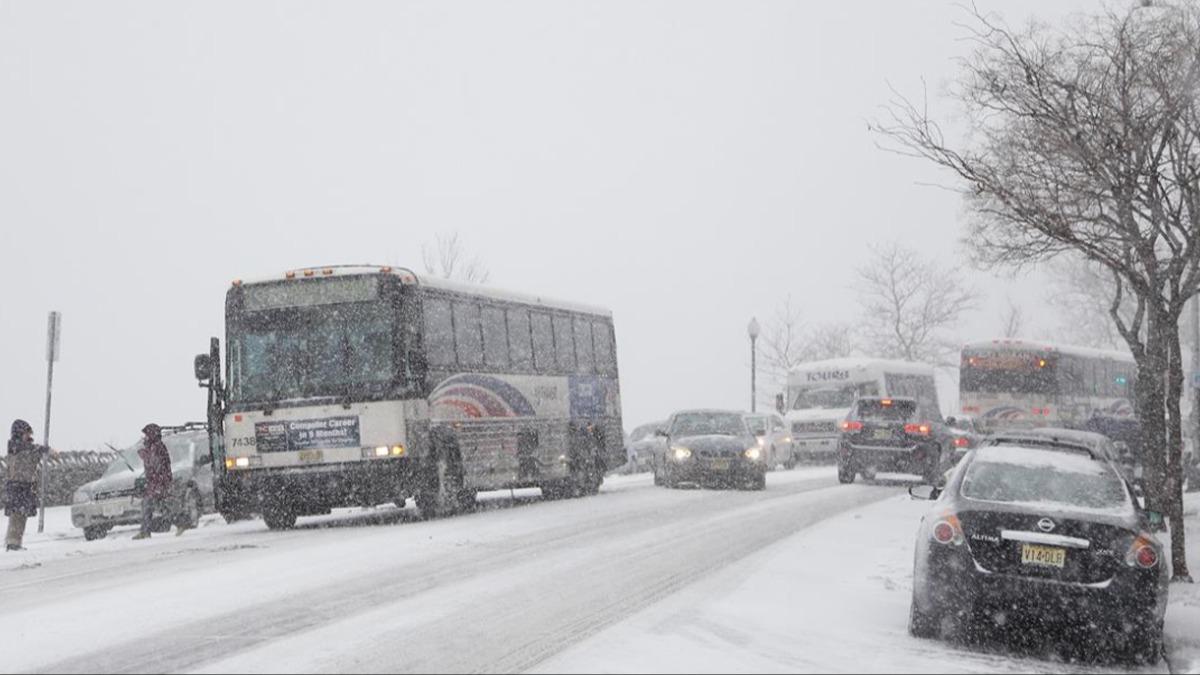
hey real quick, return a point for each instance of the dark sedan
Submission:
(710, 447)
(1042, 537)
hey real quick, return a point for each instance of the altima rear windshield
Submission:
(894, 411)
(1013, 474)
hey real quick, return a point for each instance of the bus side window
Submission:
(467, 334)
(606, 360)
(564, 343)
(583, 345)
(439, 332)
(543, 343)
(495, 337)
(520, 346)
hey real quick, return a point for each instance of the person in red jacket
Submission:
(157, 463)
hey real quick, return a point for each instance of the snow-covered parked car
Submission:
(1040, 535)
(112, 500)
(774, 438)
(643, 443)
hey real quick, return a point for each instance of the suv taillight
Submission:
(923, 429)
(852, 426)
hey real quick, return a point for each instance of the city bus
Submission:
(1015, 384)
(820, 394)
(357, 386)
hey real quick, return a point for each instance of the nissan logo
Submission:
(1046, 525)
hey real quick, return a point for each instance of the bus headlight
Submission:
(238, 463)
(753, 454)
(681, 453)
(381, 451)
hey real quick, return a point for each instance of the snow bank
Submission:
(834, 598)
(1183, 617)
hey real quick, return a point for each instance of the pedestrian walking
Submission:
(20, 500)
(157, 479)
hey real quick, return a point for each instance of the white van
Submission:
(820, 394)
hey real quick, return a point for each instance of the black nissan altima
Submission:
(710, 447)
(1047, 536)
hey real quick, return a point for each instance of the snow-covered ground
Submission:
(833, 598)
(806, 576)
(1183, 616)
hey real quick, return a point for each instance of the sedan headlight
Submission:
(753, 454)
(681, 453)
(81, 497)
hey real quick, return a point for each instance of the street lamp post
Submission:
(752, 330)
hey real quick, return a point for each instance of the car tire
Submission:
(923, 625)
(759, 482)
(190, 511)
(1144, 646)
(933, 468)
(95, 532)
(846, 473)
(790, 463)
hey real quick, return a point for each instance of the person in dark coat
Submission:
(20, 500)
(158, 478)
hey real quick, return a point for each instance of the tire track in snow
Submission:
(197, 643)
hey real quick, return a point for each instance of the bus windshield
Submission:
(834, 397)
(1008, 372)
(310, 352)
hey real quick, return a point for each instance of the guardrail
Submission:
(68, 471)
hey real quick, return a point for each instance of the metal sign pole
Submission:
(53, 338)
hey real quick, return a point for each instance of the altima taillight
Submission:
(948, 530)
(918, 429)
(1142, 554)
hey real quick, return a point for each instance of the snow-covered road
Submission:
(500, 589)
(808, 575)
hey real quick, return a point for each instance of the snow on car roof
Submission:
(1062, 460)
(429, 281)
(1070, 350)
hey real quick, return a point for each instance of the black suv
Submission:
(891, 434)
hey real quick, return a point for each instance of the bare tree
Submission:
(829, 341)
(1085, 138)
(910, 303)
(1082, 294)
(782, 342)
(787, 343)
(448, 258)
(1013, 319)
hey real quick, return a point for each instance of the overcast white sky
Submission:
(687, 164)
